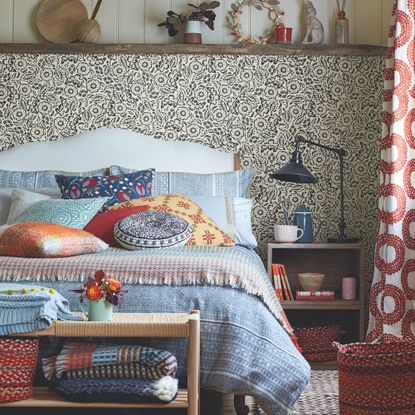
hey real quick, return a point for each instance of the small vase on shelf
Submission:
(342, 28)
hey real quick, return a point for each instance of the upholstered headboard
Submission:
(103, 147)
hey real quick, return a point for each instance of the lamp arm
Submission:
(300, 139)
(341, 153)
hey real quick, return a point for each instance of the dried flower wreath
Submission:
(274, 13)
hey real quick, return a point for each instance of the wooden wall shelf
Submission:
(208, 49)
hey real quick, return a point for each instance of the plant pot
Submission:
(193, 32)
(283, 34)
(99, 310)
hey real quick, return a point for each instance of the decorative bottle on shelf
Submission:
(342, 28)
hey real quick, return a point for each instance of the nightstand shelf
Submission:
(335, 261)
(336, 304)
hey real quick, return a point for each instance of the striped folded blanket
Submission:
(118, 390)
(91, 360)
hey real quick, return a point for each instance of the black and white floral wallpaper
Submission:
(253, 105)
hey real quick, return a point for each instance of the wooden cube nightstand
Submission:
(335, 261)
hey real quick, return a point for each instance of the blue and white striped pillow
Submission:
(229, 184)
(38, 179)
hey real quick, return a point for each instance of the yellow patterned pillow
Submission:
(205, 231)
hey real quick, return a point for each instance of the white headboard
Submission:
(103, 147)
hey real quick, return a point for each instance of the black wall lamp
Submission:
(295, 171)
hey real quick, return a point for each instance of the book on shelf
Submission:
(314, 295)
(277, 281)
(281, 282)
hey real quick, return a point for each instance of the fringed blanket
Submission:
(78, 360)
(233, 267)
(118, 390)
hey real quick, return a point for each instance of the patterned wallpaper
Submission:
(248, 104)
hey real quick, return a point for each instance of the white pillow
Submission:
(7, 195)
(232, 214)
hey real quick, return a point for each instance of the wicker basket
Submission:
(376, 379)
(18, 359)
(317, 342)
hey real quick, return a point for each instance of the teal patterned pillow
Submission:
(67, 212)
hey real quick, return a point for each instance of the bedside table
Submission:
(335, 261)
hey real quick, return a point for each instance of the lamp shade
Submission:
(294, 171)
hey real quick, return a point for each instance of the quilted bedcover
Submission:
(245, 342)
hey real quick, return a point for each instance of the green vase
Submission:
(99, 310)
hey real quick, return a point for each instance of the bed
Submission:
(245, 343)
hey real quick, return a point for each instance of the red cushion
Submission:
(102, 224)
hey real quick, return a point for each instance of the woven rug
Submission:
(321, 397)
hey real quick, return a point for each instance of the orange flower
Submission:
(113, 286)
(94, 292)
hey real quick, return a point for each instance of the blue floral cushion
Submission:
(118, 188)
(72, 213)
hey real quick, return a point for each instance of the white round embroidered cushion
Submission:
(152, 229)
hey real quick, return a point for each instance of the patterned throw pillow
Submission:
(152, 229)
(72, 213)
(228, 184)
(205, 231)
(102, 224)
(118, 188)
(21, 200)
(46, 240)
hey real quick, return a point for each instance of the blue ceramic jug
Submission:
(303, 218)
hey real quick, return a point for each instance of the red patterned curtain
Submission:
(392, 297)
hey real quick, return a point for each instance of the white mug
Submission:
(287, 233)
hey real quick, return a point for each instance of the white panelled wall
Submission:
(135, 21)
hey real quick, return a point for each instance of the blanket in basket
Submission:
(118, 390)
(91, 360)
(233, 267)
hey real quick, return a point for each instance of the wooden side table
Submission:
(335, 261)
(129, 325)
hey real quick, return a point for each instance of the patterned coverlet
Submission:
(244, 348)
(234, 267)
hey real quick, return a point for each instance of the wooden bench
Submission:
(129, 325)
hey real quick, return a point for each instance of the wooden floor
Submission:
(211, 403)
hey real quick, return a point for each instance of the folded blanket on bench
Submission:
(118, 390)
(91, 360)
(29, 308)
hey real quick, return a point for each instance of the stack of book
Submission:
(281, 283)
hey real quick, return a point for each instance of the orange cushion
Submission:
(46, 240)
(205, 231)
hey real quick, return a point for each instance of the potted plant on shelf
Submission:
(193, 22)
(102, 293)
